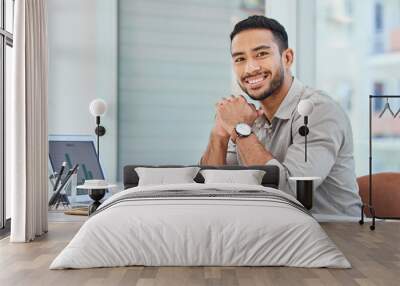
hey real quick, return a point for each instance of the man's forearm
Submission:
(216, 151)
(251, 151)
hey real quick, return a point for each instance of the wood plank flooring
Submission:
(375, 257)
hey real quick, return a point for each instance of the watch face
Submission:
(243, 129)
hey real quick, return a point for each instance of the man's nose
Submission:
(252, 66)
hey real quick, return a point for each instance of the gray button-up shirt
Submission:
(329, 150)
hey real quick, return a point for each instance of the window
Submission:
(361, 54)
(6, 43)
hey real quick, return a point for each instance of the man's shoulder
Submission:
(322, 101)
(326, 110)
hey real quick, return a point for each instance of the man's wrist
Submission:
(241, 130)
(219, 136)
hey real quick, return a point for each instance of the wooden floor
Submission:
(375, 257)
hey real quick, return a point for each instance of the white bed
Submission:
(189, 230)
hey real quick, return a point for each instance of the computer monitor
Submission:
(75, 149)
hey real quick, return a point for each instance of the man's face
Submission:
(257, 63)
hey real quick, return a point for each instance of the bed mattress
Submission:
(201, 225)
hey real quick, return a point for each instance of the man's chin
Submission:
(258, 95)
(255, 95)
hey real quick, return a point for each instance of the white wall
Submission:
(83, 66)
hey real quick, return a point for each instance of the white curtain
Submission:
(27, 150)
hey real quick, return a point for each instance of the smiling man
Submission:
(246, 136)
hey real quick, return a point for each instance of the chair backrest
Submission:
(385, 194)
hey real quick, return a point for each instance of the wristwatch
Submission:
(241, 130)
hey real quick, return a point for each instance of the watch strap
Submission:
(234, 136)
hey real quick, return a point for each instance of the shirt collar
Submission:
(287, 106)
(261, 122)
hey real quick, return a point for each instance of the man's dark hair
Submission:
(261, 22)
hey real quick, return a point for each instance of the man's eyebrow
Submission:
(262, 47)
(237, 54)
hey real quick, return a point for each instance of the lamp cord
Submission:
(305, 137)
(97, 133)
(305, 147)
(98, 145)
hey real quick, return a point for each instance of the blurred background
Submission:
(161, 65)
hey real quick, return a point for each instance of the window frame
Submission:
(6, 39)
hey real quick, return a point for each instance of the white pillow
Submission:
(165, 176)
(248, 177)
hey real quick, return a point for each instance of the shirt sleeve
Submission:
(285, 184)
(231, 155)
(324, 141)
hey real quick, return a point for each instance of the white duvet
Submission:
(200, 231)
